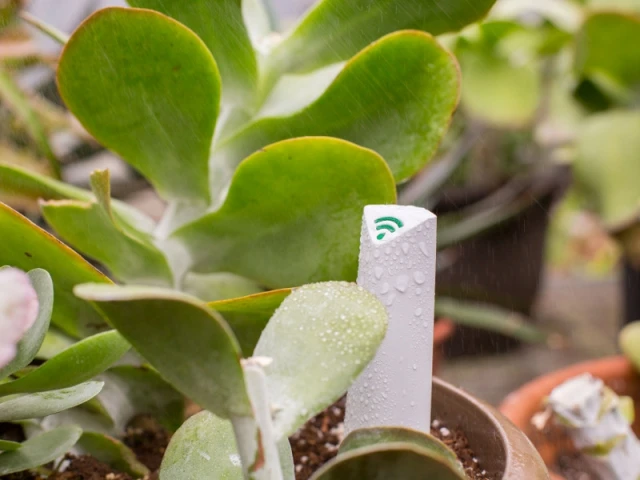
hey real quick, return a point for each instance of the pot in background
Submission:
(443, 329)
(497, 443)
(521, 405)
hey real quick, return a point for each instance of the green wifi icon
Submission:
(387, 224)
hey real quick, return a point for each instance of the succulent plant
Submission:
(61, 383)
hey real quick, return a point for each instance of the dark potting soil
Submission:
(144, 436)
(317, 442)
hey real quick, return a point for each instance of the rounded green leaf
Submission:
(9, 446)
(629, 341)
(147, 88)
(292, 214)
(607, 167)
(31, 341)
(325, 331)
(336, 30)
(607, 53)
(220, 25)
(78, 363)
(247, 316)
(202, 449)
(26, 246)
(366, 437)
(39, 450)
(188, 343)
(383, 462)
(395, 97)
(41, 404)
(113, 452)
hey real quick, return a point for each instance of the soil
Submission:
(144, 436)
(317, 442)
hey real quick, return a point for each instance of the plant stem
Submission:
(49, 30)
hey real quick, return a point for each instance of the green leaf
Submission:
(114, 453)
(328, 332)
(607, 167)
(220, 25)
(89, 228)
(189, 344)
(366, 437)
(78, 363)
(40, 450)
(11, 95)
(247, 316)
(147, 88)
(130, 391)
(9, 446)
(205, 448)
(383, 462)
(54, 342)
(32, 340)
(218, 286)
(606, 53)
(292, 214)
(18, 181)
(335, 30)
(202, 449)
(41, 404)
(401, 113)
(498, 87)
(629, 341)
(27, 246)
(489, 317)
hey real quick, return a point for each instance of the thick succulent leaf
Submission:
(112, 452)
(218, 286)
(498, 88)
(89, 228)
(382, 462)
(203, 448)
(630, 343)
(292, 214)
(39, 450)
(54, 342)
(21, 182)
(41, 404)
(326, 331)
(400, 112)
(607, 166)
(130, 391)
(18, 312)
(9, 446)
(26, 246)
(78, 363)
(247, 316)
(147, 88)
(33, 338)
(220, 25)
(366, 437)
(335, 30)
(188, 343)
(606, 53)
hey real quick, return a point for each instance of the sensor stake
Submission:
(397, 264)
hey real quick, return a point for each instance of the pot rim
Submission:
(520, 459)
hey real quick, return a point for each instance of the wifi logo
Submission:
(387, 224)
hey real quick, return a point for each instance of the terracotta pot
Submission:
(521, 405)
(497, 443)
(443, 330)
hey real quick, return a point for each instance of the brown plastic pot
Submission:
(521, 405)
(497, 443)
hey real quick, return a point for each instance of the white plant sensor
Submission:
(397, 264)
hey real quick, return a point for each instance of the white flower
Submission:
(18, 310)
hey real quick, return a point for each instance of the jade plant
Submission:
(316, 342)
(64, 381)
(230, 122)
